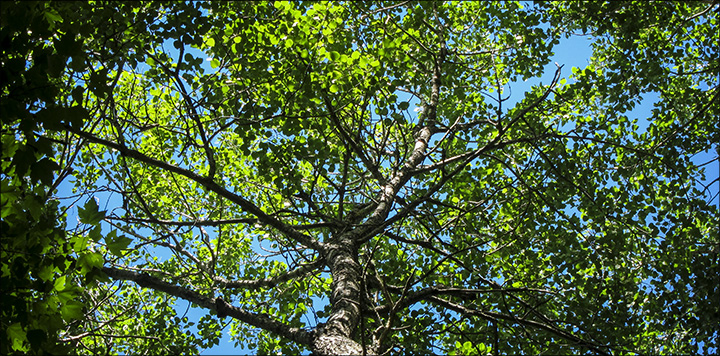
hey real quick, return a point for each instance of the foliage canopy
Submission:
(348, 178)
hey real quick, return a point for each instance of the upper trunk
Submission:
(335, 338)
(332, 344)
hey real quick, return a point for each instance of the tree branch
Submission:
(185, 223)
(148, 281)
(209, 184)
(492, 316)
(192, 110)
(426, 293)
(272, 281)
(445, 162)
(353, 145)
(221, 307)
(380, 225)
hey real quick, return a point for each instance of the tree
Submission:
(356, 178)
(41, 264)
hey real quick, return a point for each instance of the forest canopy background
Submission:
(359, 177)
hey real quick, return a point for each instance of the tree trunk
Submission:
(335, 338)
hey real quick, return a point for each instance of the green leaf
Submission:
(59, 283)
(95, 233)
(52, 17)
(80, 242)
(89, 261)
(74, 116)
(17, 337)
(90, 213)
(117, 244)
(72, 310)
(43, 171)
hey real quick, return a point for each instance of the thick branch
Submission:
(387, 196)
(264, 322)
(148, 281)
(221, 307)
(427, 127)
